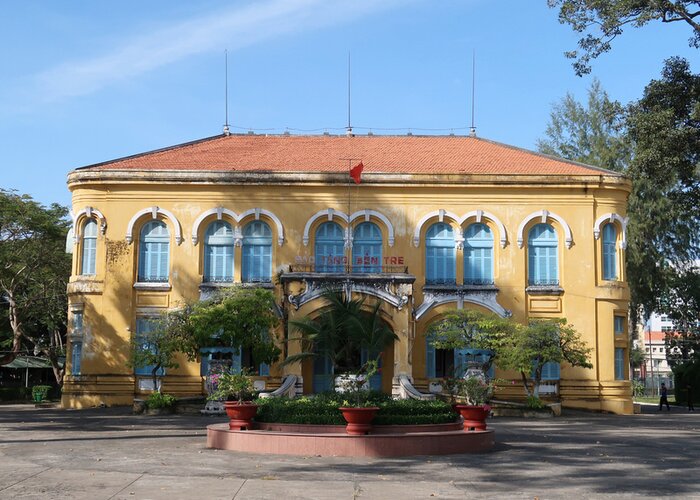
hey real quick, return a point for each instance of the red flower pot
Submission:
(240, 414)
(474, 417)
(359, 419)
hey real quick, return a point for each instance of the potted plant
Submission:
(476, 392)
(358, 411)
(236, 389)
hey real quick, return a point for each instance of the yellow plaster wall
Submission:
(111, 303)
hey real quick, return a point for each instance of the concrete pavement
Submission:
(108, 453)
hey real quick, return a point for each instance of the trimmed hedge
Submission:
(322, 409)
(15, 393)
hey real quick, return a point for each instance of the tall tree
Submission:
(682, 304)
(664, 207)
(591, 134)
(601, 21)
(34, 271)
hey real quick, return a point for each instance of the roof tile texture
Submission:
(379, 154)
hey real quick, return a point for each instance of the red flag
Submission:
(356, 172)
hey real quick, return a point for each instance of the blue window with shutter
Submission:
(440, 267)
(609, 252)
(619, 325)
(257, 253)
(329, 252)
(367, 249)
(323, 374)
(89, 248)
(76, 357)
(478, 255)
(430, 371)
(551, 371)
(218, 253)
(619, 363)
(543, 255)
(144, 326)
(154, 253)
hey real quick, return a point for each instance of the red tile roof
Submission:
(379, 154)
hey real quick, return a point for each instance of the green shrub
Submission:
(637, 388)
(159, 400)
(684, 375)
(534, 403)
(40, 392)
(322, 409)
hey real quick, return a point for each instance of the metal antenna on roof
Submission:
(227, 131)
(472, 129)
(348, 130)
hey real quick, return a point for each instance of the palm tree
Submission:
(342, 330)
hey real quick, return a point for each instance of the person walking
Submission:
(664, 397)
(690, 398)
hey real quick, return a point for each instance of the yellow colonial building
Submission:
(436, 223)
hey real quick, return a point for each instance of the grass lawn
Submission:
(654, 399)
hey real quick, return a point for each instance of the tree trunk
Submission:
(154, 373)
(17, 333)
(525, 384)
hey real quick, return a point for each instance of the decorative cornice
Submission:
(89, 213)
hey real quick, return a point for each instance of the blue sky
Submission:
(84, 82)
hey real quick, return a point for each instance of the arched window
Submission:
(154, 253)
(609, 252)
(367, 249)
(257, 253)
(543, 255)
(329, 252)
(478, 255)
(89, 248)
(218, 253)
(440, 254)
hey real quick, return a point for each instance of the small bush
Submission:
(637, 388)
(40, 392)
(322, 409)
(534, 403)
(158, 400)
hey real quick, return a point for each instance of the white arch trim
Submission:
(477, 215)
(90, 213)
(220, 212)
(612, 217)
(367, 214)
(543, 215)
(154, 211)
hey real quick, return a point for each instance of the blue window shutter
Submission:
(429, 359)
(257, 252)
(478, 254)
(154, 252)
(609, 252)
(543, 255)
(145, 325)
(329, 254)
(218, 252)
(440, 263)
(264, 370)
(619, 363)
(367, 248)
(89, 248)
(619, 325)
(551, 371)
(76, 357)
(323, 375)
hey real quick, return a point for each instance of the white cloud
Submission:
(233, 28)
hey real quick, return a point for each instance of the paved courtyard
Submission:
(110, 454)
